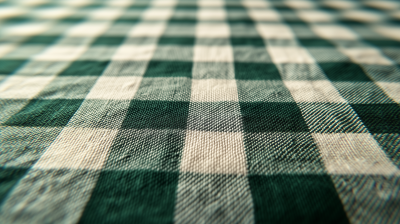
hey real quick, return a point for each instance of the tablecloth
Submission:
(183, 111)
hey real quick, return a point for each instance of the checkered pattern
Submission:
(209, 111)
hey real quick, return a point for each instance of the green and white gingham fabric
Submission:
(184, 111)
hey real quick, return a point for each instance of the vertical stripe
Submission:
(213, 185)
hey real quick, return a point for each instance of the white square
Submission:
(264, 15)
(211, 14)
(27, 29)
(6, 48)
(115, 88)
(382, 4)
(349, 153)
(22, 87)
(334, 32)
(315, 16)
(106, 14)
(271, 31)
(362, 15)
(255, 4)
(78, 148)
(210, 3)
(163, 3)
(213, 54)
(340, 4)
(52, 13)
(6, 12)
(214, 152)
(392, 32)
(88, 29)
(147, 30)
(212, 30)
(314, 91)
(157, 14)
(61, 53)
(300, 4)
(366, 56)
(134, 53)
(392, 89)
(214, 90)
(395, 14)
(282, 55)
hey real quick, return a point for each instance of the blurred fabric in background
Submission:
(253, 111)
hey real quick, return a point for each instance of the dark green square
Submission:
(256, 71)
(281, 7)
(169, 69)
(331, 118)
(184, 41)
(247, 41)
(370, 8)
(393, 21)
(390, 143)
(85, 68)
(383, 42)
(272, 117)
(296, 199)
(8, 178)
(42, 40)
(296, 23)
(293, 20)
(156, 114)
(379, 118)
(9, 66)
(315, 42)
(350, 22)
(187, 5)
(344, 71)
(107, 41)
(327, 8)
(132, 197)
(45, 113)
(19, 19)
(244, 21)
(182, 21)
(234, 6)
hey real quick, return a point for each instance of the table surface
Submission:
(186, 111)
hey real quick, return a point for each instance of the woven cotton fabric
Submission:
(184, 111)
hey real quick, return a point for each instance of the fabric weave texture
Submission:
(208, 111)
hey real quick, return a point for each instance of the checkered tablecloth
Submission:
(184, 111)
